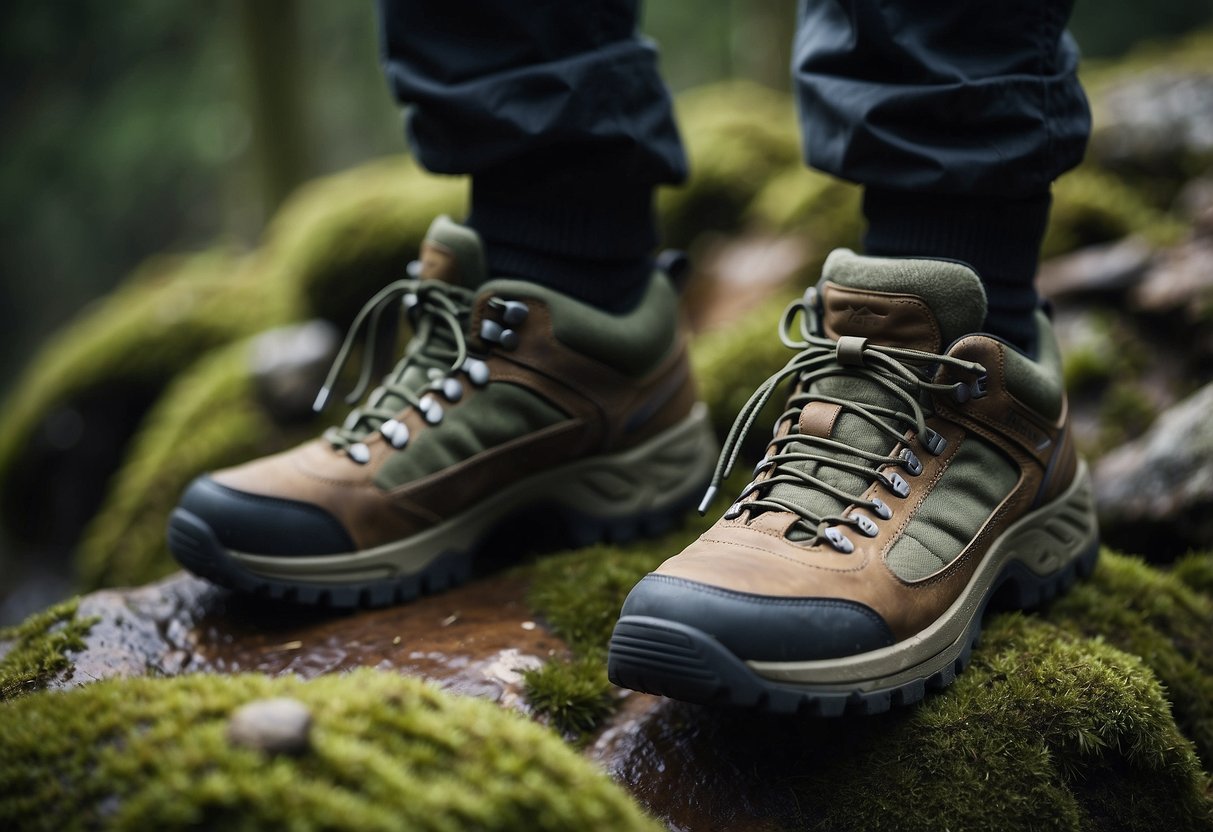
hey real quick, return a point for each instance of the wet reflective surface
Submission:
(473, 640)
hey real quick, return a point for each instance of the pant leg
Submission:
(969, 97)
(557, 110)
(956, 115)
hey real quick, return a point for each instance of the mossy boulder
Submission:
(340, 239)
(738, 136)
(383, 752)
(83, 396)
(208, 418)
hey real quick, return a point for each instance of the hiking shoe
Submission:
(510, 398)
(920, 469)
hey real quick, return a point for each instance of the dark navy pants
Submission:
(955, 114)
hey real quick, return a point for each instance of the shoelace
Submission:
(435, 308)
(817, 358)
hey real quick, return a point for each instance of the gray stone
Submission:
(274, 726)
(1105, 269)
(1155, 120)
(1180, 280)
(289, 365)
(1155, 494)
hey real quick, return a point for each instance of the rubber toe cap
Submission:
(761, 627)
(256, 524)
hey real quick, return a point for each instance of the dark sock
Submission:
(1000, 238)
(571, 224)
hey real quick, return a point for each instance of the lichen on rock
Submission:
(385, 752)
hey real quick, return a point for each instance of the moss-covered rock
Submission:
(385, 752)
(207, 419)
(738, 136)
(36, 651)
(340, 239)
(99, 375)
(1094, 206)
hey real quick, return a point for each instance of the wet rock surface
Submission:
(473, 640)
(1157, 492)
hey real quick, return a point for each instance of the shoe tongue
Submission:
(916, 304)
(452, 253)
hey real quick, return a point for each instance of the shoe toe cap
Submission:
(762, 627)
(263, 525)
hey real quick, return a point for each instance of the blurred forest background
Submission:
(137, 127)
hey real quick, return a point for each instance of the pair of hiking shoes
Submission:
(919, 469)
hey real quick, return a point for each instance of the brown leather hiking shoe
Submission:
(510, 398)
(919, 470)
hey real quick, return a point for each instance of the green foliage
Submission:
(386, 752)
(572, 695)
(35, 651)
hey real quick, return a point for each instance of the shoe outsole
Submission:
(196, 547)
(667, 658)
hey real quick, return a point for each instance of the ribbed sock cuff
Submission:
(579, 228)
(1000, 238)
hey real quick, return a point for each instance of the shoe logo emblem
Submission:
(862, 316)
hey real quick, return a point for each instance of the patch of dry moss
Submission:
(386, 753)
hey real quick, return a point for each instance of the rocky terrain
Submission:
(157, 701)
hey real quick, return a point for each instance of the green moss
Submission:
(386, 753)
(825, 210)
(1046, 730)
(573, 696)
(1094, 206)
(1152, 613)
(340, 239)
(1196, 571)
(35, 651)
(738, 136)
(171, 311)
(208, 418)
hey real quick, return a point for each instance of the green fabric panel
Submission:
(952, 291)
(499, 413)
(632, 343)
(1038, 384)
(976, 481)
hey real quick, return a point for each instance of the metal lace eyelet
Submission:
(865, 524)
(359, 452)
(513, 312)
(395, 432)
(880, 509)
(933, 442)
(452, 389)
(897, 485)
(430, 409)
(913, 464)
(733, 511)
(477, 370)
(839, 540)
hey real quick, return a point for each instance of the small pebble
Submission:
(274, 726)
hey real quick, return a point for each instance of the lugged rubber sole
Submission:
(669, 658)
(641, 492)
